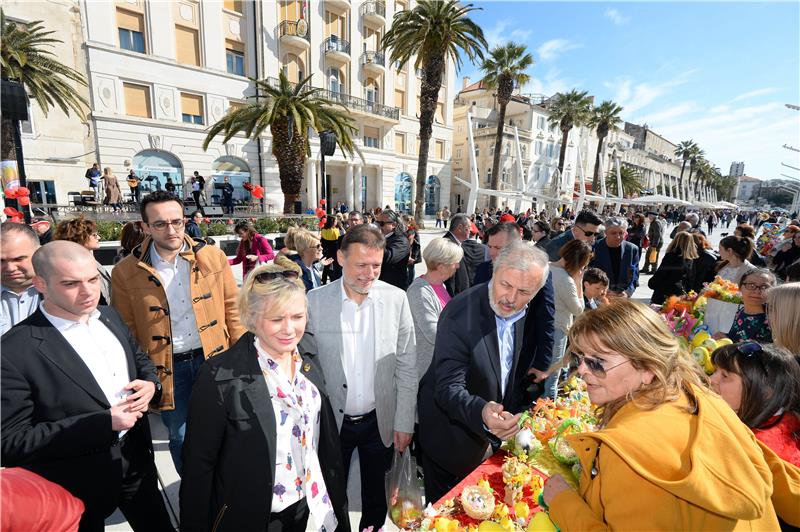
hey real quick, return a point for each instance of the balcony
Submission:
(338, 5)
(337, 49)
(374, 13)
(374, 62)
(295, 33)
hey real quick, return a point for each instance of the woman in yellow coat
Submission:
(670, 454)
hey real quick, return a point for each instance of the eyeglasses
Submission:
(752, 350)
(754, 286)
(588, 233)
(594, 366)
(264, 277)
(96, 235)
(162, 224)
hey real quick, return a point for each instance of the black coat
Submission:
(703, 269)
(56, 420)
(229, 450)
(671, 278)
(394, 269)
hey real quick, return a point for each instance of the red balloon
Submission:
(321, 224)
(323, 202)
(23, 191)
(11, 212)
(206, 220)
(23, 201)
(11, 193)
(320, 213)
(230, 221)
(258, 192)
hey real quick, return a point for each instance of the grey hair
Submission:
(693, 216)
(520, 255)
(458, 220)
(441, 251)
(616, 221)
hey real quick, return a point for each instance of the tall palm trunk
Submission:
(504, 90)
(8, 150)
(431, 82)
(602, 133)
(563, 152)
(291, 156)
(680, 179)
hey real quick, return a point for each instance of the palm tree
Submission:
(434, 31)
(684, 150)
(631, 181)
(504, 70)
(705, 173)
(289, 110)
(605, 117)
(25, 58)
(695, 157)
(566, 111)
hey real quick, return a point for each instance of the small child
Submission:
(595, 286)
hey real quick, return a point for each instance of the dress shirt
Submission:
(176, 278)
(505, 340)
(358, 344)
(100, 350)
(16, 307)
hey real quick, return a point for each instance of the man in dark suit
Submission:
(394, 268)
(473, 389)
(474, 254)
(586, 227)
(75, 392)
(618, 258)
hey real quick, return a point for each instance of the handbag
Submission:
(645, 242)
(652, 256)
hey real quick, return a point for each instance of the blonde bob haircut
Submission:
(277, 292)
(783, 307)
(684, 245)
(304, 239)
(441, 251)
(636, 332)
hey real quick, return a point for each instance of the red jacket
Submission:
(783, 437)
(259, 246)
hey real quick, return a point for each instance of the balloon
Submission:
(258, 192)
(11, 212)
(206, 220)
(320, 213)
(230, 221)
(321, 224)
(323, 202)
(11, 193)
(23, 201)
(23, 191)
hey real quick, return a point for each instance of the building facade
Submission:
(162, 73)
(747, 188)
(737, 169)
(653, 157)
(57, 147)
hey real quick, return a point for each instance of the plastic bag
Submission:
(403, 490)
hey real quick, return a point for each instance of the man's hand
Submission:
(553, 486)
(499, 422)
(401, 440)
(538, 376)
(326, 262)
(143, 392)
(122, 418)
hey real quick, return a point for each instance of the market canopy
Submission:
(727, 205)
(655, 198)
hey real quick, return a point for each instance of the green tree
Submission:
(696, 157)
(684, 150)
(605, 118)
(504, 70)
(568, 110)
(26, 57)
(704, 174)
(290, 111)
(434, 31)
(631, 181)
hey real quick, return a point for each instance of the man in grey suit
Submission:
(363, 332)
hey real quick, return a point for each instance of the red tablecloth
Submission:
(490, 469)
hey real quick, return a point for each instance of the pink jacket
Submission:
(259, 246)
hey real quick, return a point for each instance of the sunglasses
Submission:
(588, 233)
(594, 366)
(752, 350)
(265, 277)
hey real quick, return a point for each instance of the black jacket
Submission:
(671, 279)
(229, 450)
(703, 269)
(56, 420)
(394, 269)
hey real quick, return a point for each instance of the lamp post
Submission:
(15, 109)
(327, 144)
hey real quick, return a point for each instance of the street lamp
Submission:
(15, 108)
(327, 145)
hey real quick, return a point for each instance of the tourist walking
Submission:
(655, 238)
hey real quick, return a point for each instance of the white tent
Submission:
(655, 198)
(727, 205)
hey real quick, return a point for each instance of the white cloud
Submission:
(550, 84)
(616, 17)
(551, 49)
(520, 35)
(502, 33)
(634, 97)
(669, 114)
(753, 94)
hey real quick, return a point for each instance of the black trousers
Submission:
(438, 481)
(196, 196)
(292, 518)
(375, 459)
(139, 499)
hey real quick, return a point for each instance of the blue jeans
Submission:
(183, 375)
(559, 347)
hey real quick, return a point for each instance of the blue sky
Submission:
(719, 73)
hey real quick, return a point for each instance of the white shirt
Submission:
(16, 307)
(176, 278)
(358, 344)
(100, 350)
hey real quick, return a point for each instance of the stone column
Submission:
(311, 183)
(348, 186)
(357, 193)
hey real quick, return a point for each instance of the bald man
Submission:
(74, 394)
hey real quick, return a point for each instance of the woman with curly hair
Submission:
(84, 232)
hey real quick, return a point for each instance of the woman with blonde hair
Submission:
(668, 454)
(309, 257)
(783, 309)
(262, 447)
(113, 195)
(673, 276)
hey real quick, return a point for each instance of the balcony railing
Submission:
(352, 102)
(336, 44)
(375, 58)
(373, 7)
(296, 28)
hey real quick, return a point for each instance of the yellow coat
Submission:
(666, 469)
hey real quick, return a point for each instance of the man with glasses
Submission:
(586, 227)
(618, 258)
(178, 297)
(394, 269)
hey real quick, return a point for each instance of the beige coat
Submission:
(139, 295)
(113, 194)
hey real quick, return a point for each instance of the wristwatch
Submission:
(157, 395)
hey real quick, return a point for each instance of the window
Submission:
(26, 126)
(489, 176)
(372, 137)
(399, 143)
(234, 57)
(459, 153)
(524, 151)
(400, 99)
(439, 116)
(130, 28)
(42, 191)
(550, 147)
(540, 122)
(293, 68)
(335, 81)
(537, 148)
(400, 6)
(137, 100)
(439, 149)
(187, 46)
(234, 5)
(505, 175)
(491, 150)
(192, 108)
(291, 10)
(371, 91)
(508, 150)
(235, 106)
(477, 151)
(536, 171)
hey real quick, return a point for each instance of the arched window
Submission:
(154, 167)
(336, 80)
(432, 192)
(402, 192)
(372, 91)
(238, 173)
(293, 68)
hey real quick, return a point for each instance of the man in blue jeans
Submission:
(177, 295)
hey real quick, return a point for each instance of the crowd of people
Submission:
(334, 345)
